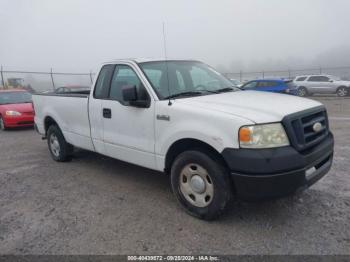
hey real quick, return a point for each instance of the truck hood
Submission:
(257, 106)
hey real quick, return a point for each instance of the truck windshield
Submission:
(184, 79)
(15, 98)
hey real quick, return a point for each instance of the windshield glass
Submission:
(189, 77)
(235, 82)
(15, 98)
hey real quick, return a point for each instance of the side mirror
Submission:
(130, 95)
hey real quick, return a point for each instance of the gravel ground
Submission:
(98, 205)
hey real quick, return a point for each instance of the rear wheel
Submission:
(60, 150)
(342, 91)
(302, 91)
(201, 184)
(2, 124)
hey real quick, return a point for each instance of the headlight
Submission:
(12, 113)
(263, 136)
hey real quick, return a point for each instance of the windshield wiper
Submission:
(209, 91)
(188, 93)
(226, 89)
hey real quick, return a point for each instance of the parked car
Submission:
(321, 84)
(72, 89)
(271, 85)
(16, 108)
(213, 142)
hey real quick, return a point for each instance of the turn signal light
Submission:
(244, 134)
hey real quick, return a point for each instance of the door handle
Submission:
(107, 113)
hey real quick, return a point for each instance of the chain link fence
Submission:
(243, 76)
(51, 80)
(38, 82)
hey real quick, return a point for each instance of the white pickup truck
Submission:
(186, 119)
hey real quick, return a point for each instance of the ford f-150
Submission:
(186, 119)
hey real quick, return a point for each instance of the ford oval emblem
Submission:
(317, 127)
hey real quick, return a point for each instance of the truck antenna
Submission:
(166, 63)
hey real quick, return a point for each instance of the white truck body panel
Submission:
(136, 135)
(259, 107)
(71, 115)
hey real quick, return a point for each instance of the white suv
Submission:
(321, 84)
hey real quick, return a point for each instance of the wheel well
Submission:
(342, 87)
(189, 144)
(49, 121)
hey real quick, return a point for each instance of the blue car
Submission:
(271, 85)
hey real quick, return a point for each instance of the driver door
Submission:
(128, 130)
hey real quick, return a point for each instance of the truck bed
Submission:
(70, 111)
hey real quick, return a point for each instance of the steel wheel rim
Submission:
(342, 92)
(54, 145)
(196, 185)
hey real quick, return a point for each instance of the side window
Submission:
(323, 79)
(125, 76)
(318, 79)
(267, 84)
(261, 84)
(250, 85)
(102, 83)
(312, 79)
(302, 78)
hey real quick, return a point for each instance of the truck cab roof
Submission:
(144, 60)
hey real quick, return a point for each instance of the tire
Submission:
(302, 91)
(342, 91)
(59, 149)
(186, 176)
(2, 124)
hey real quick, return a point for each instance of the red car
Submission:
(16, 108)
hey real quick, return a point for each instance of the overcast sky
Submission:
(77, 35)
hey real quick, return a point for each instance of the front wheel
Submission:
(60, 150)
(302, 92)
(201, 184)
(342, 91)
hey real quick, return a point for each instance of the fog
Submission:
(232, 35)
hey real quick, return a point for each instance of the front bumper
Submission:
(276, 172)
(18, 121)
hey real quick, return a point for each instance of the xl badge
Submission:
(317, 127)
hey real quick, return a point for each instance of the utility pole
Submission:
(53, 83)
